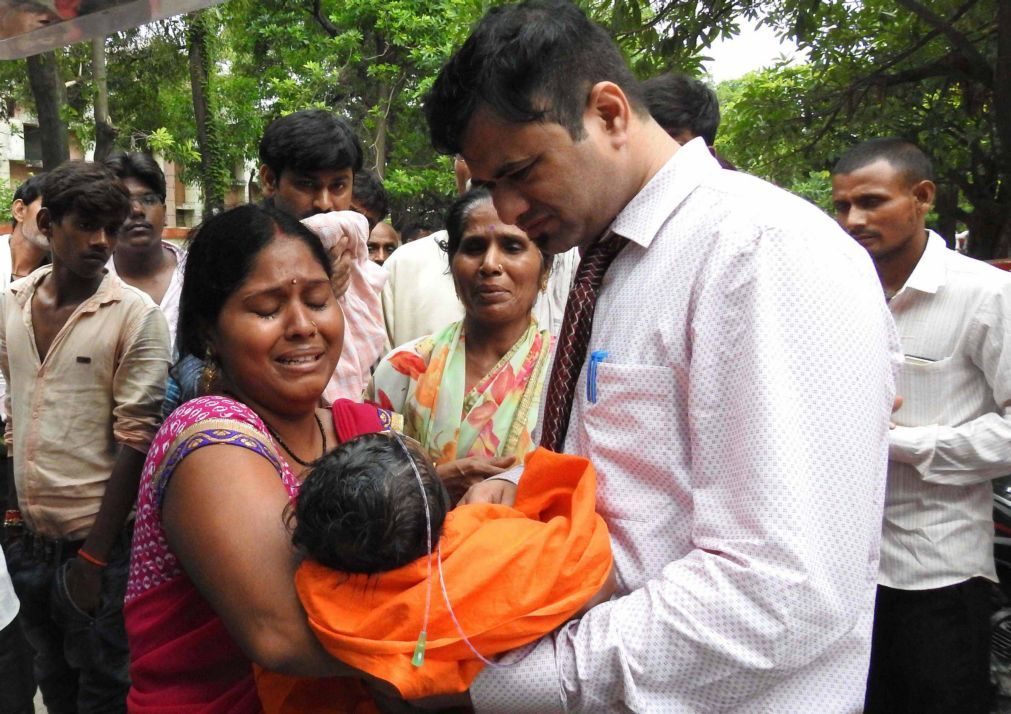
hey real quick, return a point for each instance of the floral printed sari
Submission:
(424, 381)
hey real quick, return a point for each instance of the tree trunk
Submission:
(381, 103)
(382, 127)
(50, 95)
(105, 132)
(207, 139)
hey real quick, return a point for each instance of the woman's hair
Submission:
(360, 509)
(458, 217)
(220, 254)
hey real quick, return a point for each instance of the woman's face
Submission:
(280, 333)
(497, 269)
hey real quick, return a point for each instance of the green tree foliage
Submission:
(369, 61)
(938, 73)
(670, 34)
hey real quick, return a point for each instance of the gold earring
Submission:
(209, 374)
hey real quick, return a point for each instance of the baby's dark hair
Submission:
(360, 509)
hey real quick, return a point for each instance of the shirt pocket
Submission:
(926, 388)
(630, 433)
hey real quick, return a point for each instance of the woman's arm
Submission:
(223, 519)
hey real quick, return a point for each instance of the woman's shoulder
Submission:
(213, 406)
(420, 347)
(413, 357)
(205, 421)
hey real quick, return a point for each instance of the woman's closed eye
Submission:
(318, 297)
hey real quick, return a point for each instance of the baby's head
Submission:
(360, 509)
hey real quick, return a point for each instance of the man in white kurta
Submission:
(734, 398)
(931, 649)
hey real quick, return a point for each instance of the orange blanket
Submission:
(512, 574)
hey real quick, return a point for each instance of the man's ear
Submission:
(18, 209)
(268, 181)
(924, 192)
(44, 220)
(608, 105)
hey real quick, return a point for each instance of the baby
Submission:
(499, 577)
(361, 509)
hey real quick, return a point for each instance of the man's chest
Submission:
(47, 321)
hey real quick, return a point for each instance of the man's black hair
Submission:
(360, 509)
(86, 188)
(368, 192)
(310, 140)
(219, 257)
(28, 192)
(535, 61)
(411, 231)
(681, 103)
(902, 154)
(141, 167)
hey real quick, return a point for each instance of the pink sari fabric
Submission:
(181, 657)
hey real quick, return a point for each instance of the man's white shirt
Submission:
(954, 428)
(740, 437)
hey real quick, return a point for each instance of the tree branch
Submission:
(979, 64)
(324, 22)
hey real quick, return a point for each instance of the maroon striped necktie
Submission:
(574, 338)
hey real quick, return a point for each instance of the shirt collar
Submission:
(109, 290)
(929, 274)
(641, 219)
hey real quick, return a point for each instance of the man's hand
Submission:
(896, 406)
(84, 585)
(340, 261)
(461, 474)
(495, 490)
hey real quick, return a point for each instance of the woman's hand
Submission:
(461, 474)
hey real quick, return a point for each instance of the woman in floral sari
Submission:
(470, 392)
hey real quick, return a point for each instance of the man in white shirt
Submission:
(734, 395)
(952, 436)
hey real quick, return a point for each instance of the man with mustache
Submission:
(142, 259)
(930, 649)
(85, 357)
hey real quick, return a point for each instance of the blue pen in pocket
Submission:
(596, 357)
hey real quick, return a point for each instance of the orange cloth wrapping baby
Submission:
(513, 575)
